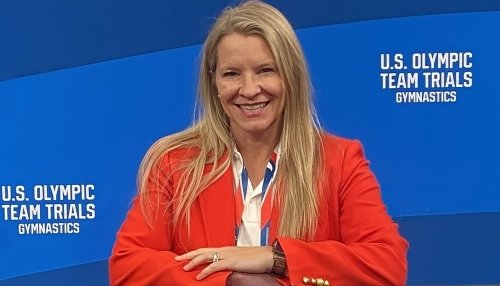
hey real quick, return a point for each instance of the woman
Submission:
(255, 192)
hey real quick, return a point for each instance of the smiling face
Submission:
(249, 86)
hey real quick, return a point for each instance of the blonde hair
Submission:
(301, 151)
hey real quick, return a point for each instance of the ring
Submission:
(216, 256)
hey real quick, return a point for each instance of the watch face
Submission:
(277, 247)
(275, 243)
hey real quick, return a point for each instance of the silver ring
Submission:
(215, 256)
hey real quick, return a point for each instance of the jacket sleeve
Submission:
(370, 250)
(143, 253)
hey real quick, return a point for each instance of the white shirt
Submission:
(249, 231)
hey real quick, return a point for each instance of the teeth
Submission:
(252, 107)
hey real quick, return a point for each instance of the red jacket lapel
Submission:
(217, 210)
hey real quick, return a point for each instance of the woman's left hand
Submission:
(254, 259)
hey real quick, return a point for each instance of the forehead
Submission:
(236, 46)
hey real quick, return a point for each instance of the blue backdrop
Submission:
(86, 88)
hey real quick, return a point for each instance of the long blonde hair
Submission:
(301, 163)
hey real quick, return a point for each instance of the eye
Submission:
(229, 74)
(266, 70)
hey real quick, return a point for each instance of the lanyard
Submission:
(266, 202)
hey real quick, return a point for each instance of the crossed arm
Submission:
(370, 250)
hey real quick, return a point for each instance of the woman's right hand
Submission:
(247, 259)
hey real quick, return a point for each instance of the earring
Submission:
(218, 95)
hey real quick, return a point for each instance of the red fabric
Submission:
(356, 241)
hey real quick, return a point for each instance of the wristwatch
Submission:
(279, 265)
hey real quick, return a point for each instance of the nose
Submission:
(250, 86)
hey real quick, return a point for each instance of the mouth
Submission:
(251, 108)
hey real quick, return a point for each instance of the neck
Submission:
(256, 147)
(256, 151)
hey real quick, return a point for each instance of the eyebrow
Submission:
(267, 63)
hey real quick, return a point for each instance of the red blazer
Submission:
(356, 241)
